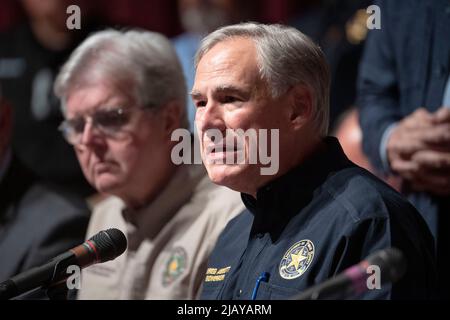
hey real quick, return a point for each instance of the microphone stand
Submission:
(57, 288)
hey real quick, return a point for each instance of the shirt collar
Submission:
(279, 200)
(149, 220)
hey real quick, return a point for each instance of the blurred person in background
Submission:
(30, 56)
(404, 100)
(38, 221)
(198, 18)
(339, 28)
(123, 95)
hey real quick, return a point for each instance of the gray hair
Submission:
(144, 61)
(286, 57)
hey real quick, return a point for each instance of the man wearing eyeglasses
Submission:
(123, 95)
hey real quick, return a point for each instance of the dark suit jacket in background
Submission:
(37, 222)
(405, 66)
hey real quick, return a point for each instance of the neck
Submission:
(291, 161)
(141, 197)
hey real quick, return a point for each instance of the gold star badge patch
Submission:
(297, 259)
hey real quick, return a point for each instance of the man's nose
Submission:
(90, 134)
(210, 117)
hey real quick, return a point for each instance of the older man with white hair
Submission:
(319, 213)
(123, 95)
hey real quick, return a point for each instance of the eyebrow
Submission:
(195, 94)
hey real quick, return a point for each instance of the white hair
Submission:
(142, 63)
(286, 57)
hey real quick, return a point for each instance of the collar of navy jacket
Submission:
(310, 224)
(281, 199)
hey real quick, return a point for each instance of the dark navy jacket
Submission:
(312, 223)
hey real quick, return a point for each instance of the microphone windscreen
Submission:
(110, 244)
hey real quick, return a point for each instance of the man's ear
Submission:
(301, 106)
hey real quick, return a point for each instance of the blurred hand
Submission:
(432, 173)
(415, 132)
(442, 115)
(419, 151)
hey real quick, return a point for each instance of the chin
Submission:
(108, 184)
(230, 176)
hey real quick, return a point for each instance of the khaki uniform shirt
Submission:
(169, 241)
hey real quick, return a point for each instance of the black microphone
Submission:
(353, 281)
(104, 246)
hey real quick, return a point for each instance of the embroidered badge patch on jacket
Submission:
(214, 274)
(297, 259)
(175, 266)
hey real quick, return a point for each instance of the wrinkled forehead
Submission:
(88, 99)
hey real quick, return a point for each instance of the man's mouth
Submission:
(222, 148)
(103, 166)
(221, 152)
